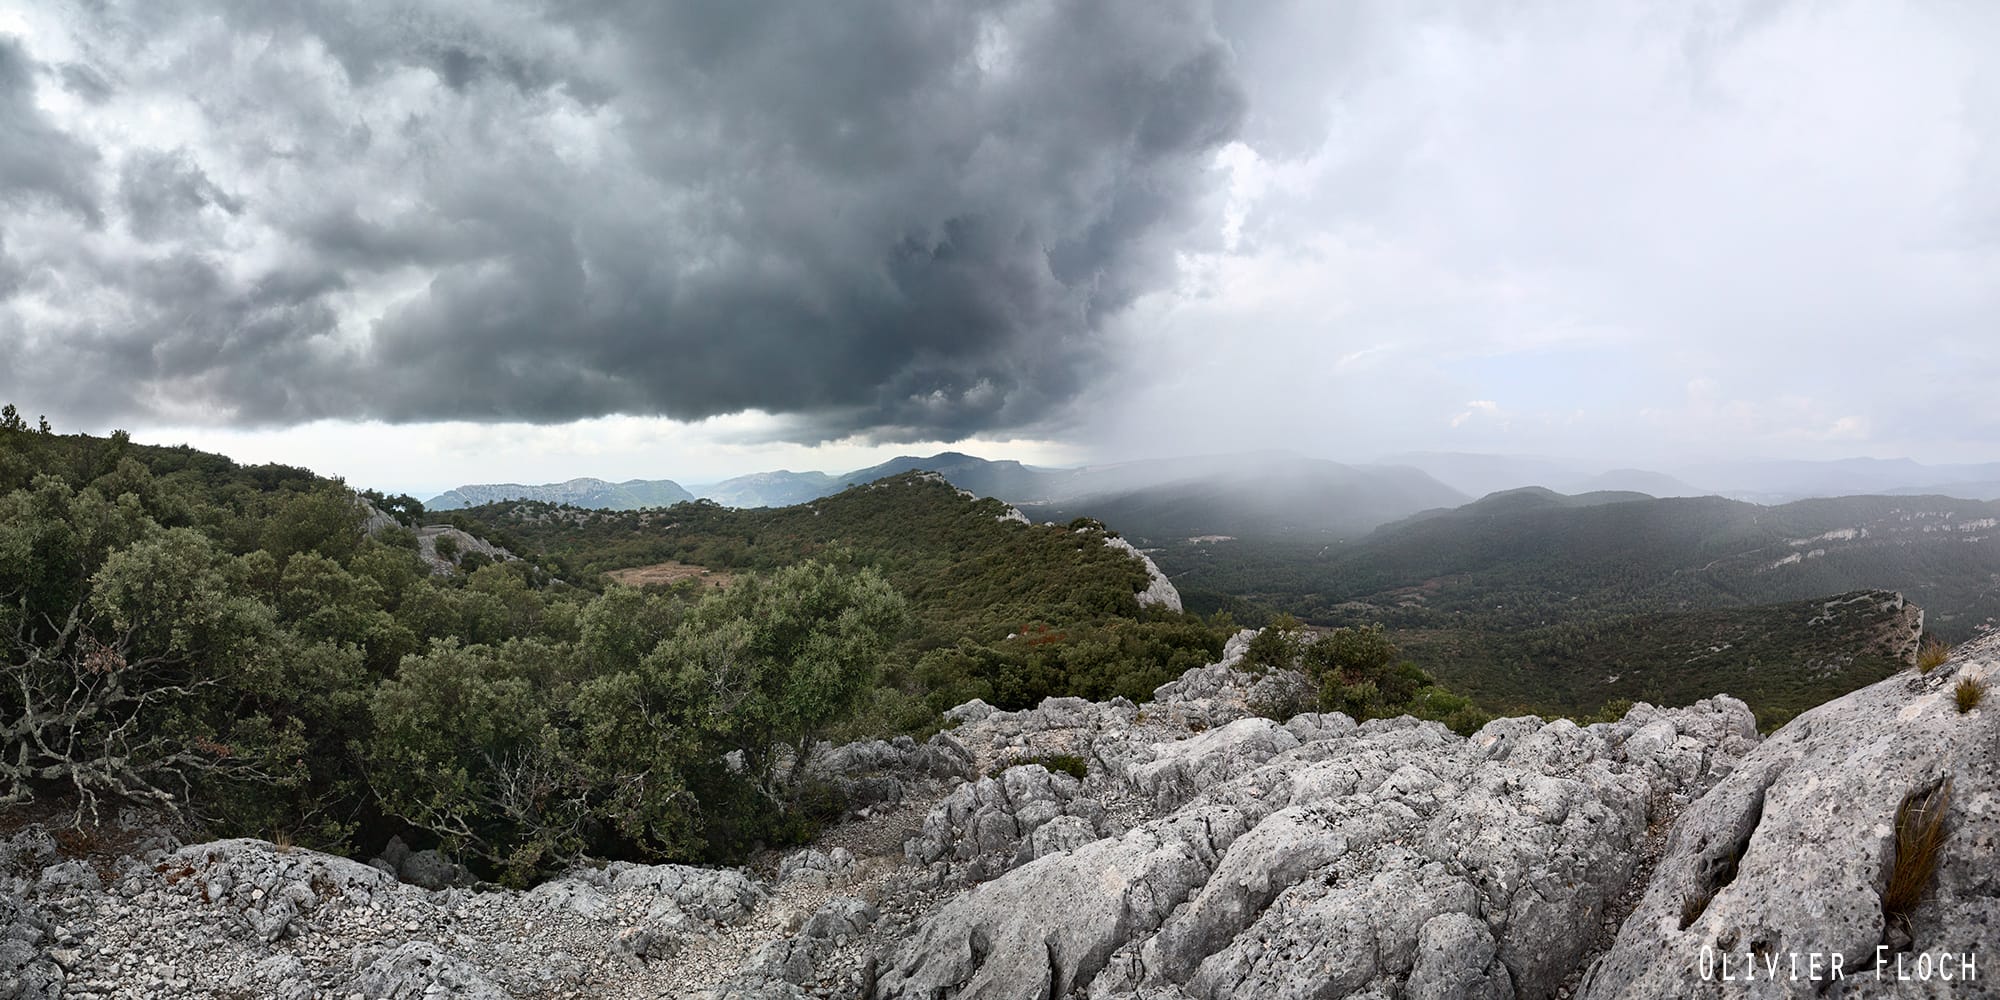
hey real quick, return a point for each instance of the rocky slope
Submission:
(1203, 853)
(1788, 857)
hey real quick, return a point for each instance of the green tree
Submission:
(465, 744)
(771, 662)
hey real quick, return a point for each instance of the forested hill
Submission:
(1533, 601)
(631, 494)
(972, 569)
(252, 649)
(1781, 658)
(1517, 561)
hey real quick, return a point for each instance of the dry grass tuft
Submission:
(1932, 655)
(1969, 693)
(1694, 904)
(1920, 836)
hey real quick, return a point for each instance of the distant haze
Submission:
(1674, 246)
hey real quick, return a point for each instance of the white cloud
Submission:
(1585, 208)
(1476, 407)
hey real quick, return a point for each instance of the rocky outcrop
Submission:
(780, 970)
(1224, 691)
(463, 542)
(248, 918)
(993, 816)
(876, 774)
(1182, 769)
(1334, 858)
(1159, 591)
(30, 969)
(1786, 862)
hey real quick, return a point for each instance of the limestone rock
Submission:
(992, 815)
(420, 970)
(1159, 590)
(713, 895)
(27, 970)
(1052, 924)
(432, 870)
(971, 711)
(1377, 859)
(816, 868)
(1222, 692)
(267, 886)
(1182, 769)
(1789, 854)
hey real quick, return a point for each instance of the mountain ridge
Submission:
(583, 491)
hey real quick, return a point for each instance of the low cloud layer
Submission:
(890, 220)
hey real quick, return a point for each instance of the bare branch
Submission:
(86, 717)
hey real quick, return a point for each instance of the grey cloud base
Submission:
(889, 220)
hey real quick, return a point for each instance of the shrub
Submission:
(1920, 837)
(1276, 646)
(1969, 693)
(1932, 655)
(1610, 711)
(1055, 763)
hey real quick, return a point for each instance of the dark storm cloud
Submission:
(893, 219)
(161, 191)
(85, 82)
(37, 160)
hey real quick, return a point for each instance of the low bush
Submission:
(1932, 654)
(1055, 763)
(1920, 836)
(1969, 692)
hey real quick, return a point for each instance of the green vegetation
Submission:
(1532, 602)
(1920, 838)
(1519, 567)
(228, 643)
(1055, 763)
(1968, 693)
(1781, 659)
(532, 751)
(1007, 612)
(1358, 671)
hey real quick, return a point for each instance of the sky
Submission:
(422, 246)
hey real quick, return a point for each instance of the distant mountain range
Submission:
(770, 489)
(1279, 494)
(1259, 494)
(631, 494)
(1007, 480)
(1761, 482)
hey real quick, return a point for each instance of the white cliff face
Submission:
(1161, 591)
(1204, 853)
